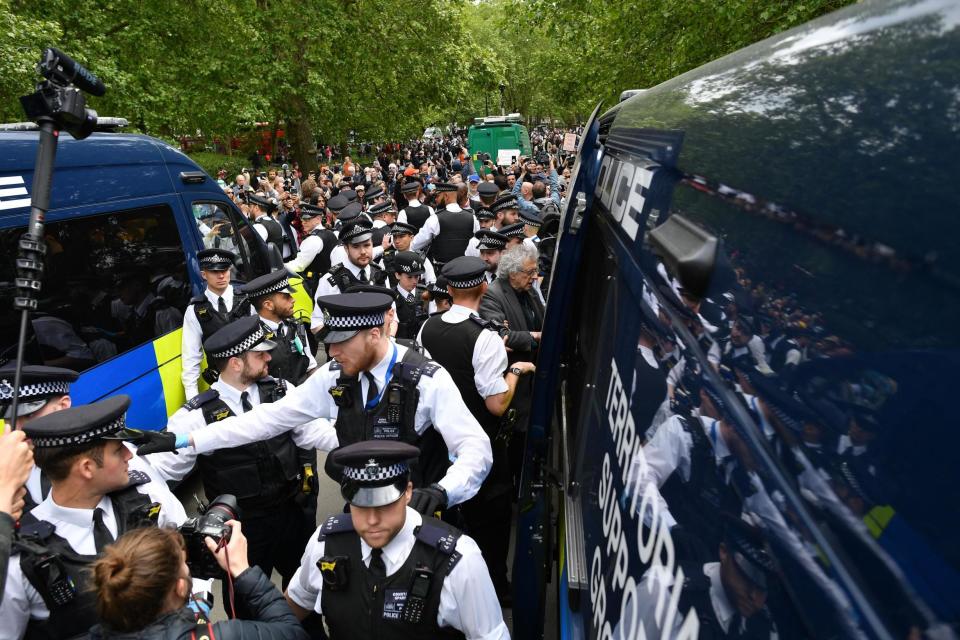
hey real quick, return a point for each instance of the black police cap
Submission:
(514, 230)
(408, 262)
(263, 202)
(37, 385)
(503, 203)
(530, 217)
(380, 208)
(269, 283)
(238, 337)
(356, 231)
(309, 211)
(373, 194)
(490, 239)
(403, 227)
(485, 214)
(488, 189)
(350, 195)
(411, 186)
(350, 212)
(103, 420)
(374, 472)
(445, 186)
(337, 203)
(345, 314)
(465, 272)
(215, 259)
(438, 289)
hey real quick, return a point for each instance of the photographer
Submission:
(142, 585)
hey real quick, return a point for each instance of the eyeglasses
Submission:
(529, 272)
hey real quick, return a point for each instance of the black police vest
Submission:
(287, 362)
(321, 262)
(394, 416)
(417, 215)
(389, 260)
(696, 593)
(212, 320)
(410, 316)
(262, 475)
(456, 229)
(49, 563)
(274, 230)
(342, 278)
(355, 604)
(377, 234)
(779, 348)
(452, 345)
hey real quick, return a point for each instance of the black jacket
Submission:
(6, 537)
(273, 619)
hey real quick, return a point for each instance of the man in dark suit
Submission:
(510, 300)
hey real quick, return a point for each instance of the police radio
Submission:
(59, 586)
(394, 403)
(417, 594)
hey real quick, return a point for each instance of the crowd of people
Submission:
(429, 272)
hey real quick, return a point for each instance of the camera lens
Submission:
(223, 508)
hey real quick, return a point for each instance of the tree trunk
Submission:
(299, 134)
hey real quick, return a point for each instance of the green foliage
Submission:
(326, 70)
(212, 162)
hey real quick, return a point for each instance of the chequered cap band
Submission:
(467, 284)
(491, 243)
(214, 260)
(407, 268)
(354, 322)
(273, 288)
(82, 438)
(374, 472)
(37, 390)
(516, 233)
(512, 204)
(246, 344)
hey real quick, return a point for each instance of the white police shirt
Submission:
(440, 406)
(468, 601)
(309, 249)
(304, 348)
(21, 602)
(317, 434)
(489, 360)
(191, 346)
(431, 228)
(324, 288)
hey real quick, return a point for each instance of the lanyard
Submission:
(386, 382)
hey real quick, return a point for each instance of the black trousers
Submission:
(488, 523)
(276, 539)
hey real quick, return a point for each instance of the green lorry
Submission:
(502, 138)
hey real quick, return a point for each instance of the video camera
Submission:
(212, 522)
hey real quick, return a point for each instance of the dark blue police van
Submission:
(127, 215)
(744, 413)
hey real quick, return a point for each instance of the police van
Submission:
(127, 215)
(744, 420)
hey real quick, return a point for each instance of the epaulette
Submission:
(442, 538)
(33, 530)
(486, 324)
(334, 365)
(137, 478)
(429, 368)
(201, 399)
(337, 523)
(198, 299)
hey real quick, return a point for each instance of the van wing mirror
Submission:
(688, 252)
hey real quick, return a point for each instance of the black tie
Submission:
(245, 402)
(377, 568)
(221, 305)
(363, 275)
(101, 534)
(371, 386)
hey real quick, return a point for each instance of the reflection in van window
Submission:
(111, 283)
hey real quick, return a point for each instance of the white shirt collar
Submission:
(453, 206)
(457, 313)
(227, 296)
(53, 513)
(404, 293)
(718, 597)
(379, 371)
(270, 324)
(231, 395)
(396, 551)
(651, 359)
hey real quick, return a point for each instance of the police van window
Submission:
(830, 380)
(111, 283)
(222, 228)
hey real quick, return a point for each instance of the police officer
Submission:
(313, 259)
(384, 571)
(474, 353)
(448, 231)
(219, 304)
(266, 476)
(94, 499)
(506, 211)
(411, 313)
(487, 192)
(439, 296)
(489, 247)
(382, 215)
(415, 212)
(374, 389)
(401, 237)
(44, 390)
(263, 222)
(513, 233)
(270, 296)
(356, 269)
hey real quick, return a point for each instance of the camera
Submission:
(210, 523)
(543, 158)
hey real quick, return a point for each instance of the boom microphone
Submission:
(56, 62)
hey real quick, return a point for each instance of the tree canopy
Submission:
(375, 69)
